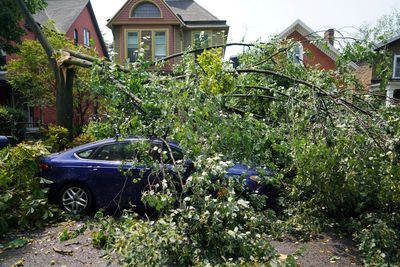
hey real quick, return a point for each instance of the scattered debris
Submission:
(19, 263)
(63, 252)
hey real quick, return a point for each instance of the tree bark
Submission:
(63, 107)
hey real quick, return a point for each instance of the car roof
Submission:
(129, 139)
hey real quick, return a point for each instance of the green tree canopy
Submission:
(31, 75)
(10, 18)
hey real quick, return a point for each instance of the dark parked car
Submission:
(101, 174)
(7, 141)
(4, 141)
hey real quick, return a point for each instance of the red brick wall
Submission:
(317, 56)
(28, 36)
(84, 21)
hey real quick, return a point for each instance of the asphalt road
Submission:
(45, 249)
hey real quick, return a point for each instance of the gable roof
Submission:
(64, 13)
(388, 42)
(311, 35)
(188, 12)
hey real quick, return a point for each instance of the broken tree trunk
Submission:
(64, 110)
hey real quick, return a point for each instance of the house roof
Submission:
(64, 13)
(388, 42)
(189, 13)
(311, 35)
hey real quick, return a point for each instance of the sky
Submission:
(258, 19)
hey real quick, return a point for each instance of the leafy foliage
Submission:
(23, 199)
(11, 121)
(10, 19)
(57, 138)
(334, 153)
(30, 74)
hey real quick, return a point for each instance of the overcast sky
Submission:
(254, 19)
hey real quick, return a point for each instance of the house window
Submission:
(3, 58)
(133, 46)
(396, 96)
(86, 37)
(201, 39)
(152, 42)
(160, 46)
(146, 10)
(396, 67)
(76, 37)
(147, 44)
(296, 54)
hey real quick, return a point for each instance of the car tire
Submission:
(75, 199)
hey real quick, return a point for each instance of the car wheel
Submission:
(76, 199)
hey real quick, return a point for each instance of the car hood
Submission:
(239, 169)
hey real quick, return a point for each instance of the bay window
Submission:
(133, 46)
(152, 42)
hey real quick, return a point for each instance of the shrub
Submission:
(12, 122)
(23, 200)
(57, 138)
(82, 139)
(346, 179)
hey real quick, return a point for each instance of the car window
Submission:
(108, 152)
(85, 154)
(167, 158)
(120, 151)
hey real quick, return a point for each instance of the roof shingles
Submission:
(62, 12)
(192, 13)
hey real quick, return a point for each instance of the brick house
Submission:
(392, 46)
(77, 20)
(311, 53)
(162, 28)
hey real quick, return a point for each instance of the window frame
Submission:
(76, 37)
(142, 3)
(86, 37)
(396, 58)
(153, 40)
(127, 42)
(292, 54)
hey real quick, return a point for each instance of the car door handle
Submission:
(94, 168)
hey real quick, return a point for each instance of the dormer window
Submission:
(396, 67)
(146, 10)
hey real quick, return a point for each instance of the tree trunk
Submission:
(64, 111)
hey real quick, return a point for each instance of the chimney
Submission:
(329, 36)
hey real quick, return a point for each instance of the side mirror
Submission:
(189, 165)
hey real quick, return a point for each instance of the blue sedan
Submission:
(102, 174)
